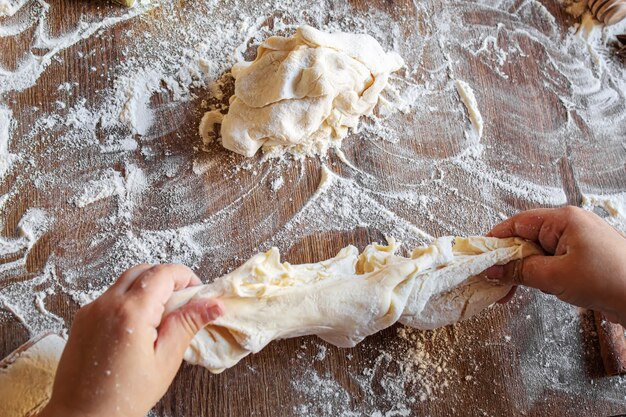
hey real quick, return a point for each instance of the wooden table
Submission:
(534, 356)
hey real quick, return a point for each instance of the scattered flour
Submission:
(136, 112)
(405, 373)
(321, 353)
(277, 183)
(110, 184)
(6, 122)
(612, 206)
(31, 227)
(32, 66)
(10, 7)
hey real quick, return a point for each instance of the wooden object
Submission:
(612, 345)
(609, 12)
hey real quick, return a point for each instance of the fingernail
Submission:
(215, 310)
(495, 272)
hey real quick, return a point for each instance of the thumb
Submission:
(181, 325)
(541, 272)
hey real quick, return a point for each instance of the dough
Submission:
(26, 380)
(469, 100)
(349, 297)
(304, 92)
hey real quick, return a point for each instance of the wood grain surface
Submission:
(263, 384)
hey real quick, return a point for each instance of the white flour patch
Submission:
(33, 224)
(321, 353)
(340, 204)
(28, 305)
(405, 373)
(114, 145)
(136, 112)
(322, 396)
(6, 125)
(277, 183)
(10, 7)
(110, 184)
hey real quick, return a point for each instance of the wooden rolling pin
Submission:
(609, 12)
(612, 345)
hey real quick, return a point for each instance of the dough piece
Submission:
(349, 297)
(304, 92)
(26, 377)
(127, 3)
(469, 100)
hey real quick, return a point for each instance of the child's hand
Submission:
(121, 357)
(587, 266)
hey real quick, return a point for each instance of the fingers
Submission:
(157, 283)
(181, 325)
(545, 226)
(541, 272)
(128, 277)
(147, 288)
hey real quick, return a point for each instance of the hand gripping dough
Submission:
(305, 91)
(349, 297)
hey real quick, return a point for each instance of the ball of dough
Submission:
(303, 93)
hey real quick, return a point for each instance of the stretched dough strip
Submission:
(344, 299)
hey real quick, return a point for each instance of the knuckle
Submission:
(160, 268)
(124, 313)
(123, 276)
(140, 266)
(130, 271)
(156, 271)
(189, 321)
(96, 310)
(573, 212)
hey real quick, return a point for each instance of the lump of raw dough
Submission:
(303, 93)
(26, 377)
(346, 298)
